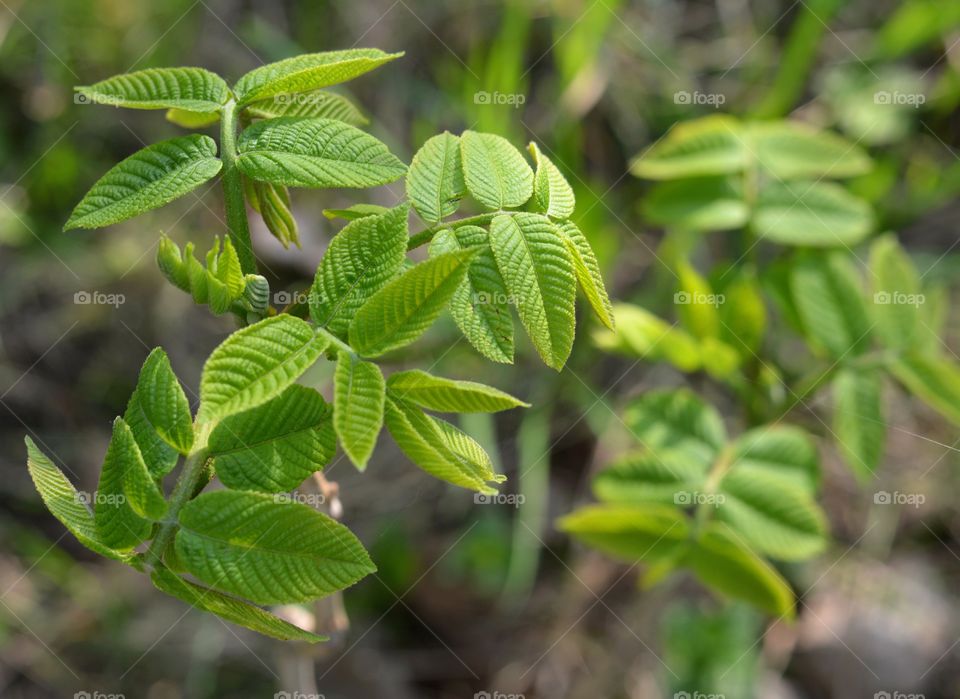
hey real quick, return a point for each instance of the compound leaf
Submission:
(150, 178)
(255, 364)
(265, 550)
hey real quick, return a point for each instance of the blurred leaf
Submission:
(896, 294)
(709, 146)
(858, 420)
(934, 380)
(676, 420)
(818, 214)
(697, 204)
(791, 150)
(638, 533)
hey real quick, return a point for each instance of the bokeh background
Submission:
(468, 598)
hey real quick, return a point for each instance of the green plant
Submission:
(258, 431)
(787, 311)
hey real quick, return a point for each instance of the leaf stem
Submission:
(183, 491)
(426, 235)
(233, 197)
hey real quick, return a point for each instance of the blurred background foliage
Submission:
(469, 598)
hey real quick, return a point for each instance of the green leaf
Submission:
(435, 178)
(641, 334)
(128, 500)
(403, 309)
(267, 551)
(230, 608)
(65, 503)
(721, 561)
(255, 364)
(479, 305)
(272, 202)
(553, 194)
(827, 292)
(791, 150)
(159, 456)
(308, 72)
(709, 146)
(697, 204)
(643, 476)
(358, 403)
(164, 403)
(148, 179)
(360, 260)
(352, 213)
(190, 89)
(449, 396)
(538, 269)
(273, 447)
(743, 314)
(817, 214)
(897, 295)
(676, 420)
(647, 532)
(697, 305)
(495, 173)
(320, 103)
(934, 380)
(192, 120)
(439, 448)
(786, 451)
(587, 269)
(219, 284)
(773, 516)
(858, 420)
(313, 152)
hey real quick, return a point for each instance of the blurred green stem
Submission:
(233, 197)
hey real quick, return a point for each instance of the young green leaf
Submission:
(641, 334)
(676, 420)
(538, 269)
(934, 380)
(788, 452)
(697, 204)
(449, 396)
(65, 503)
(439, 448)
(272, 202)
(219, 284)
(359, 394)
(774, 517)
(230, 608)
(632, 533)
(186, 119)
(697, 305)
(267, 551)
(352, 213)
(360, 260)
(308, 72)
(435, 178)
(897, 295)
(273, 447)
(190, 89)
(642, 476)
(710, 146)
(128, 500)
(743, 314)
(858, 420)
(479, 305)
(828, 295)
(587, 269)
(313, 152)
(721, 561)
(157, 454)
(150, 178)
(791, 150)
(495, 173)
(816, 214)
(320, 103)
(255, 364)
(403, 309)
(552, 192)
(164, 403)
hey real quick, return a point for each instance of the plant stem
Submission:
(183, 491)
(426, 235)
(233, 190)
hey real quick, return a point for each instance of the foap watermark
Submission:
(898, 298)
(709, 99)
(505, 99)
(485, 298)
(698, 695)
(297, 695)
(687, 497)
(97, 98)
(296, 298)
(97, 498)
(685, 298)
(513, 500)
(498, 695)
(97, 694)
(883, 497)
(311, 499)
(897, 98)
(898, 695)
(98, 298)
